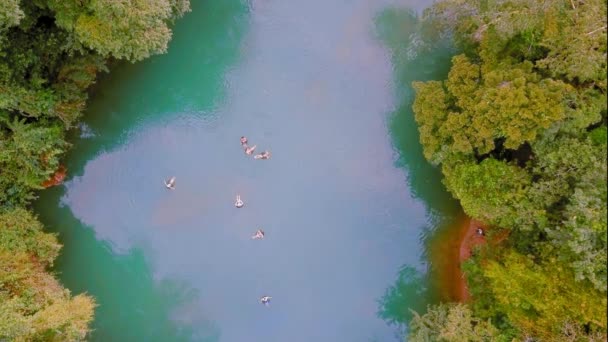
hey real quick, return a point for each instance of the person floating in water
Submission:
(238, 203)
(263, 155)
(249, 150)
(265, 300)
(479, 231)
(170, 184)
(244, 140)
(259, 234)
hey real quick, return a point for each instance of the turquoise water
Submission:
(347, 202)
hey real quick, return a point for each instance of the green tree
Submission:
(519, 129)
(450, 323)
(33, 305)
(10, 14)
(132, 30)
(21, 232)
(492, 191)
(542, 299)
(29, 155)
(50, 53)
(571, 174)
(479, 107)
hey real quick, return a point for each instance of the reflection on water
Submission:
(131, 306)
(409, 292)
(343, 206)
(416, 57)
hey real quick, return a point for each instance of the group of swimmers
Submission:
(259, 234)
(249, 150)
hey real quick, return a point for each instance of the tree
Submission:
(541, 299)
(519, 129)
(50, 54)
(450, 323)
(33, 305)
(478, 105)
(571, 174)
(492, 191)
(10, 14)
(132, 30)
(29, 155)
(21, 232)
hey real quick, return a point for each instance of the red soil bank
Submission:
(469, 240)
(57, 177)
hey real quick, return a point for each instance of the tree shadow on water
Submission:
(409, 292)
(132, 304)
(187, 81)
(418, 54)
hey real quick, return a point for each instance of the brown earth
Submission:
(469, 239)
(57, 178)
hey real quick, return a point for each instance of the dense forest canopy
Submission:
(50, 53)
(519, 130)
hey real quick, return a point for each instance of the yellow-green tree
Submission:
(450, 323)
(543, 300)
(519, 129)
(33, 305)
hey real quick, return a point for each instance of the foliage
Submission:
(450, 323)
(519, 129)
(29, 154)
(510, 102)
(20, 232)
(50, 54)
(542, 299)
(33, 305)
(131, 30)
(10, 14)
(571, 175)
(492, 191)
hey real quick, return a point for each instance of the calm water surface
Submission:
(347, 202)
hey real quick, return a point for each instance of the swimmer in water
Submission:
(170, 184)
(238, 203)
(259, 234)
(244, 140)
(265, 300)
(249, 150)
(263, 155)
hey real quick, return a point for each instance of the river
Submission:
(347, 202)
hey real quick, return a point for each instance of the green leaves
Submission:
(21, 232)
(450, 323)
(491, 191)
(10, 14)
(29, 154)
(519, 128)
(542, 299)
(482, 105)
(131, 30)
(33, 305)
(50, 54)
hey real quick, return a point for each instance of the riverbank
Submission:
(451, 248)
(470, 239)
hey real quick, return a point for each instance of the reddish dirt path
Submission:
(57, 178)
(469, 239)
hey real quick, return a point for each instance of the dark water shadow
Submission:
(416, 58)
(409, 292)
(143, 298)
(118, 104)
